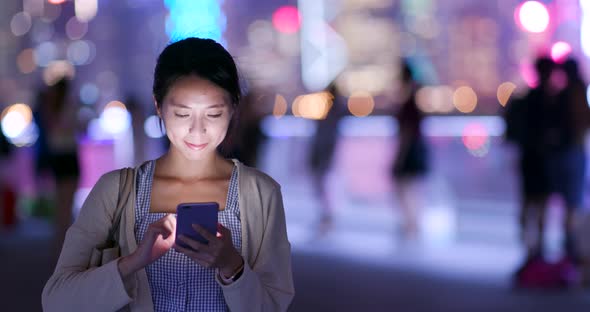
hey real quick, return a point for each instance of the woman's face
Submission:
(196, 115)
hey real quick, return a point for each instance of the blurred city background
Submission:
(353, 249)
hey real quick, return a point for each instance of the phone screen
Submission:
(204, 214)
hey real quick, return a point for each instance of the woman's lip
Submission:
(196, 147)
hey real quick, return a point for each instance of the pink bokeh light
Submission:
(475, 136)
(286, 19)
(560, 51)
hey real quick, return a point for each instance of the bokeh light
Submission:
(504, 92)
(476, 139)
(528, 74)
(532, 16)
(85, 9)
(152, 129)
(280, 107)
(295, 106)
(89, 93)
(588, 94)
(26, 61)
(80, 52)
(56, 1)
(314, 105)
(45, 53)
(115, 119)
(361, 103)
(21, 23)
(57, 70)
(465, 99)
(286, 19)
(435, 99)
(75, 29)
(15, 119)
(560, 51)
(188, 18)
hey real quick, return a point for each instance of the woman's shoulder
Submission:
(256, 176)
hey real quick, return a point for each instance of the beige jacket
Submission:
(265, 285)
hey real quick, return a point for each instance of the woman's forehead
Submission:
(192, 90)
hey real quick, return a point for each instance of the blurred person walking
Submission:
(321, 155)
(57, 152)
(411, 162)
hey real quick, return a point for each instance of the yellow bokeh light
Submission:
(26, 61)
(23, 109)
(361, 103)
(295, 106)
(315, 105)
(57, 70)
(505, 91)
(465, 99)
(280, 107)
(115, 104)
(424, 99)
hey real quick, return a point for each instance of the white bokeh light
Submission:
(152, 129)
(115, 120)
(13, 124)
(533, 16)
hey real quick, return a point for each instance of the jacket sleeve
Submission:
(267, 284)
(73, 286)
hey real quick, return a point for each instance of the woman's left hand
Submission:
(220, 253)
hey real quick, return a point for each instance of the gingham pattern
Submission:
(177, 283)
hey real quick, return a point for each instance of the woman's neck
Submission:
(174, 165)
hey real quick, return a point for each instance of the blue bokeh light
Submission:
(190, 18)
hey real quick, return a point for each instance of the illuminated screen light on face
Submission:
(190, 18)
(532, 16)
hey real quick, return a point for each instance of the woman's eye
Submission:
(181, 116)
(215, 115)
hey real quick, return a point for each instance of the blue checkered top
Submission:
(176, 282)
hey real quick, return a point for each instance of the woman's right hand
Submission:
(158, 239)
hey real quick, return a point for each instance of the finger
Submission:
(161, 228)
(222, 231)
(197, 246)
(154, 231)
(200, 258)
(206, 234)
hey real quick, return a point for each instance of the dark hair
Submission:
(544, 66)
(205, 59)
(570, 66)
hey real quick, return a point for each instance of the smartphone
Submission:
(187, 214)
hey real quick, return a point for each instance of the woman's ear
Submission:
(157, 107)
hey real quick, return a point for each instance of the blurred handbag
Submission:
(110, 250)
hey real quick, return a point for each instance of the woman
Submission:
(411, 162)
(246, 267)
